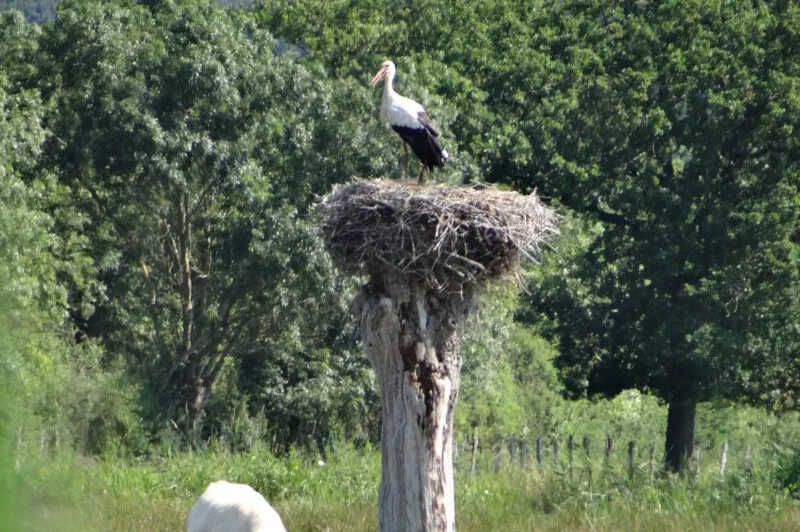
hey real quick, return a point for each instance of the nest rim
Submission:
(446, 236)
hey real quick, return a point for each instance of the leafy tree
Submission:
(31, 300)
(53, 381)
(19, 49)
(673, 126)
(668, 127)
(195, 151)
(508, 382)
(769, 373)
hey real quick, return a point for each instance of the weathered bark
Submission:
(680, 433)
(412, 337)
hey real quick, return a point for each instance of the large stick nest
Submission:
(447, 236)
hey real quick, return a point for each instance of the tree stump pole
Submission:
(412, 337)
(427, 251)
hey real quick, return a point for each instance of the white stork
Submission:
(409, 120)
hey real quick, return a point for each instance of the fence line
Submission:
(516, 451)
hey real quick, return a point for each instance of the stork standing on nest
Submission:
(409, 120)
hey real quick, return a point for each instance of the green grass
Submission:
(156, 494)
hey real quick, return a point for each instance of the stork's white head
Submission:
(387, 71)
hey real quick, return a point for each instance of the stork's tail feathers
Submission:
(425, 144)
(437, 155)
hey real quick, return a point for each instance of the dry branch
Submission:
(448, 236)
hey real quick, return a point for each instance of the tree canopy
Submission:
(161, 161)
(672, 126)
(669, 129)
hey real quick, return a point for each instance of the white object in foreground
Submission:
(229, 507)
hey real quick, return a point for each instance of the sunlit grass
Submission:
(61, 493)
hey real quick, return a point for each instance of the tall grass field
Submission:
(339, 492)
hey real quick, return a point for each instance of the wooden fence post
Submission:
(17, 459)
(539, 453)
(555, 454)
(631, 459)
(569, 449)
(723, 459)
(588, 461)
(748, 461)
(512, 446)
(652, 461)
(696, 460)
(498, 451)
(607, 453)
(474, 450)
(523, 453)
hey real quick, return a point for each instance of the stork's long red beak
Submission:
(378, 77)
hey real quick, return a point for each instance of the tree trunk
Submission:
(185, 270)
(680, 434)
(412, 337)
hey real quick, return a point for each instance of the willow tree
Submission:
(426, 252)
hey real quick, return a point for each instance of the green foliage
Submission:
(788, 474)
(508, 383)
(50, 388)
(56, 381)
(162, 241)
(29, 295)
(195, 151)
(667, 129)
(657, 142)
(19, 46)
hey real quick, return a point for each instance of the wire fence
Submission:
(585, 459)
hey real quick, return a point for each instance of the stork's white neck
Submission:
(388, 88)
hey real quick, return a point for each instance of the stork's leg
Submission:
(421, 171)
(405, 162)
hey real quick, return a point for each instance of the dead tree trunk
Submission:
(412, 336)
